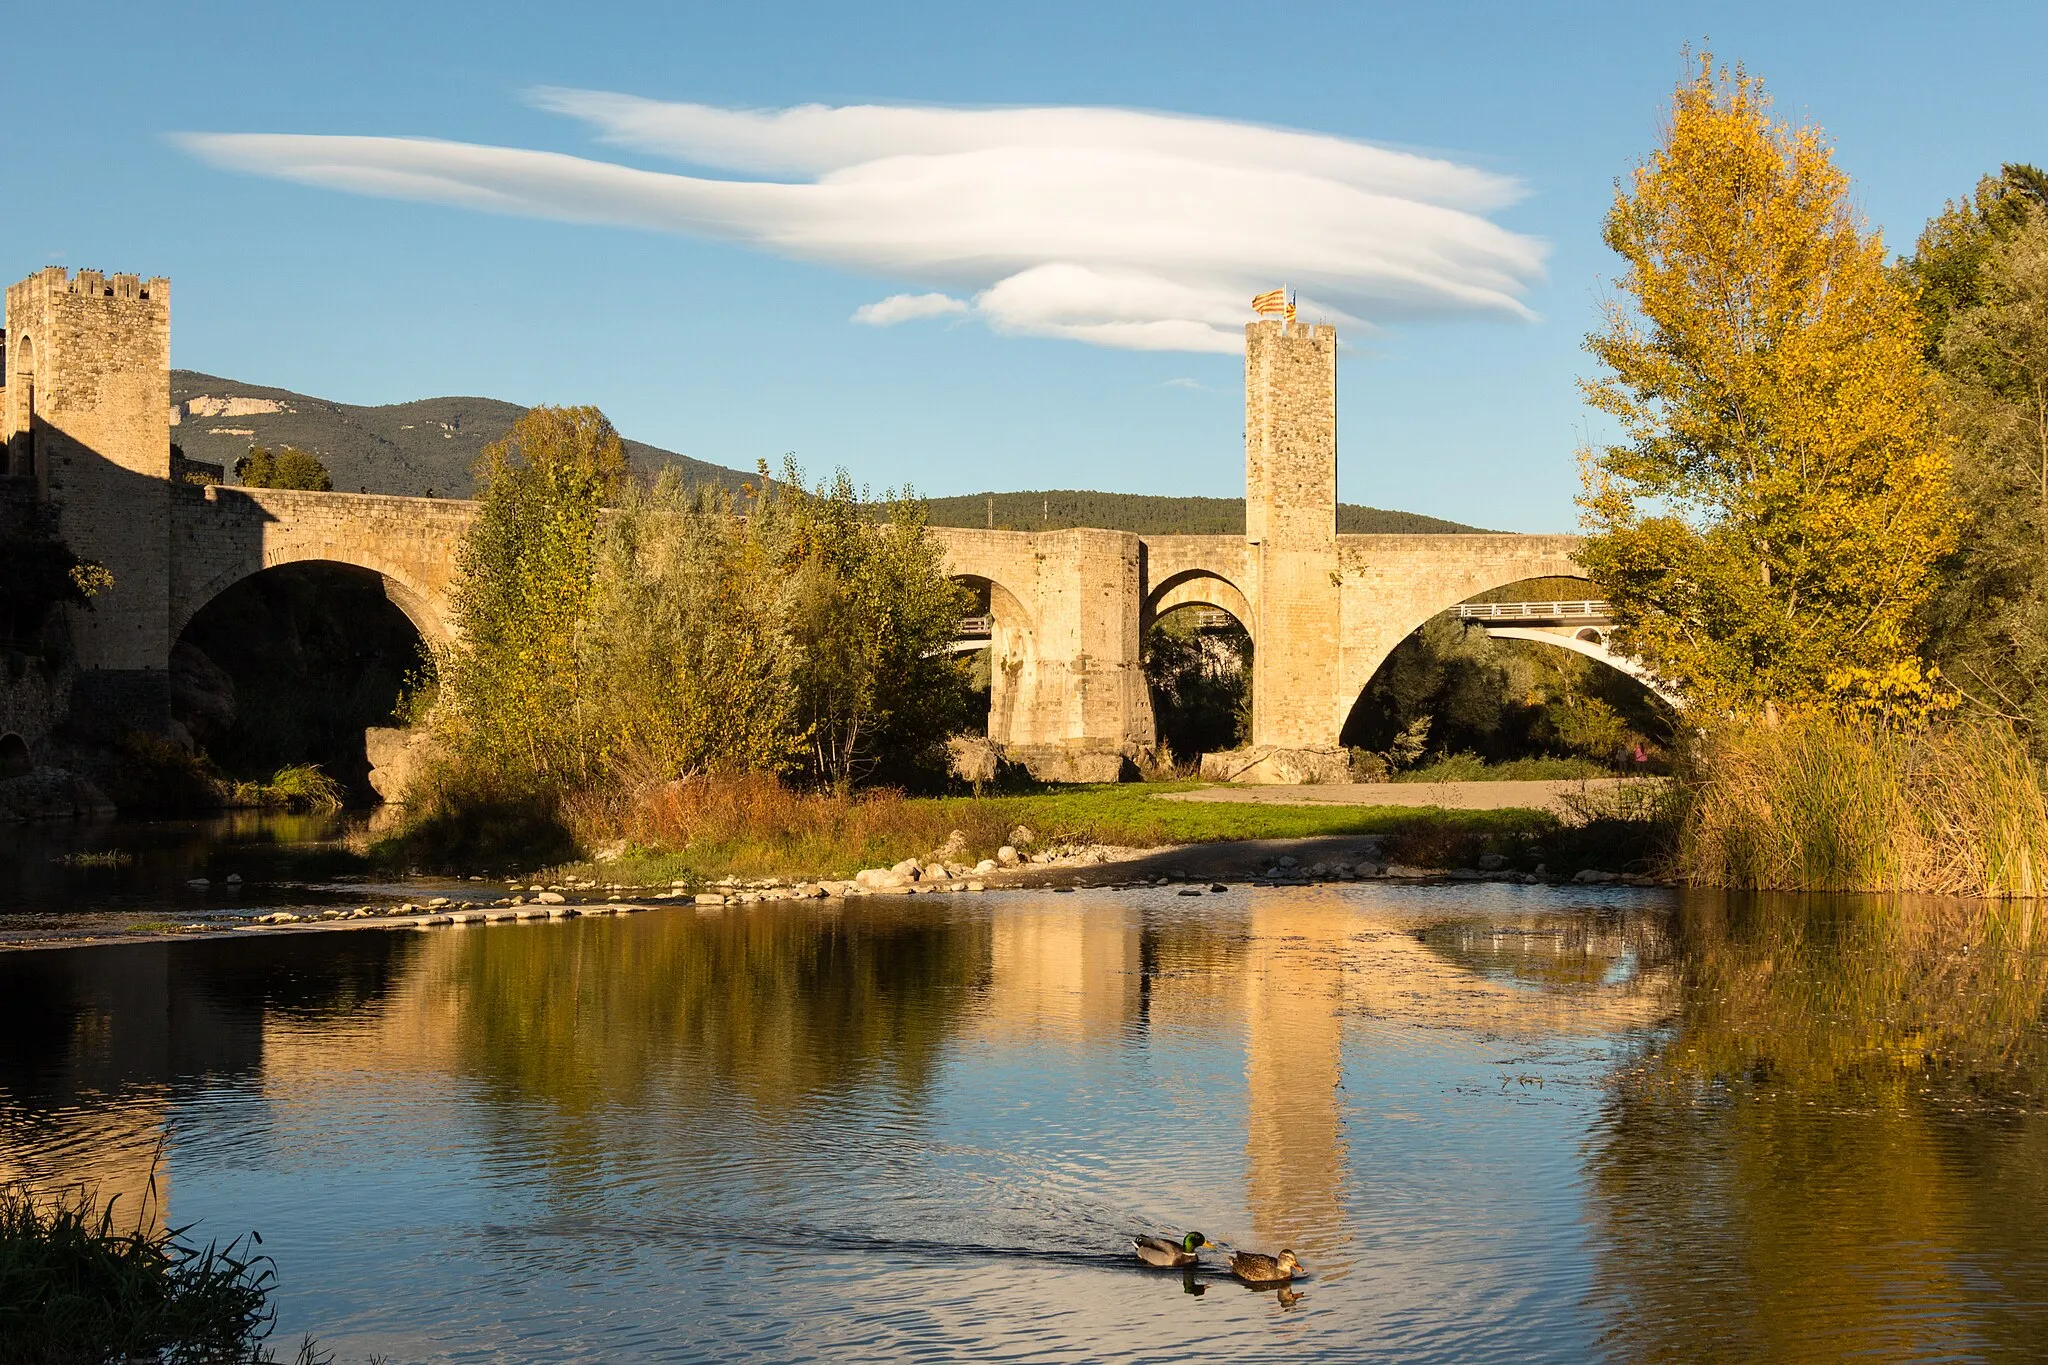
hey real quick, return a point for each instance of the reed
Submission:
(1823, 804)
(79, 1285)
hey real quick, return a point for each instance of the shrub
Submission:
(288, 467)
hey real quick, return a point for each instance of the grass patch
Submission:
(1473, 768)
(75, 1288)
(112, 857)
(754, 827)
(299, 787)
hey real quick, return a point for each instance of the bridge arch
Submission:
(226, 535)
(14, 756)
(1559, 620)
(427, 610)
(1199, 588)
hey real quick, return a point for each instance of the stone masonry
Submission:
(85, 416)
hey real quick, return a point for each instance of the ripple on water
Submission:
(1496, 1124)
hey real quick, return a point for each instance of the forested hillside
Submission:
(1149, 514)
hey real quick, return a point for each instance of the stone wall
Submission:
(221, 535)
(1066, 672)
(87, 414)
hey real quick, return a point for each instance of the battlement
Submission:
(56, 279)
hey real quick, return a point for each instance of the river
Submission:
(1495, 1122)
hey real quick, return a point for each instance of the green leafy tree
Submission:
(1947, 265)
(1990, 620)
(514, 694)
(690, 636)
(1779, 498)
(287, 467)
(1200, 680)
(877, 689)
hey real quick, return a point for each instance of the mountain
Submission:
(424, 446)
(1148, 514)
(429, 446)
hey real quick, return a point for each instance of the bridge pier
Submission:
(1067, 692)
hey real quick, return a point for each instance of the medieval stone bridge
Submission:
(85, 414)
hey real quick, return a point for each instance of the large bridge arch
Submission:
(225, 535)
(1391, 585)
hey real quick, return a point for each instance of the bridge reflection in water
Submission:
(1348, 1071)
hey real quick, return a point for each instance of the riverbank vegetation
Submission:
(78, 1286)
(1823, 803)
(757, 826)
(1825, 522)
(619, 636)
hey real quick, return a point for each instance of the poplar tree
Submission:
(1767, 523)
(517, 698)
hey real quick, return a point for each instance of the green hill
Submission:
(429, 445)
(414, 448)
(1148, 514)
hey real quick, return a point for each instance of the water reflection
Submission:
(1838, 1147)
(1764, 1129)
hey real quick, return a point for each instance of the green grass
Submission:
(112, 857)
(822, 836)
(1472, 768)
(81, 1283)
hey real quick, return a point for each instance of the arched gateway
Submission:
(85, 419)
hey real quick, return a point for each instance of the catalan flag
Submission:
(1273, 301)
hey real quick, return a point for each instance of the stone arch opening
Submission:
(1198, 588)
(999, 636)
(21, 388)
(1519, 671)
(1198, 667)
(15, 760)
(292, 664)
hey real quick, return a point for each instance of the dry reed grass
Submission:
(753, 825)
(1819, 804)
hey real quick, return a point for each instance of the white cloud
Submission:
(1122, 228)
(1183, 382)
(906, 308)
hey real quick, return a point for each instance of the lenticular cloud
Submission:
(1140, 230)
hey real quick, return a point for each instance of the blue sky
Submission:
(730, 352)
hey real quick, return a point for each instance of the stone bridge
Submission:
(85, 410)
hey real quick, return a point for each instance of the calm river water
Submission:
(1496, 1123)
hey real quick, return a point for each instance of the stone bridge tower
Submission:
(1290, 524)
(85, 413)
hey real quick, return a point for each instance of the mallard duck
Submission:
(1168, 1255)
(1255, 1268)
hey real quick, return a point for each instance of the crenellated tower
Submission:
(1290, 523)
(85, 413)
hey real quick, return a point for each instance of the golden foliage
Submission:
(1774, 508)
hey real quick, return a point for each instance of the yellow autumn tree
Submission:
(1772, 512)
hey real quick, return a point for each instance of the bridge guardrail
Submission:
(1591, 610)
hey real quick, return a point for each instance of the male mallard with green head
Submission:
(1169, 1255)
(1256, 1268)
